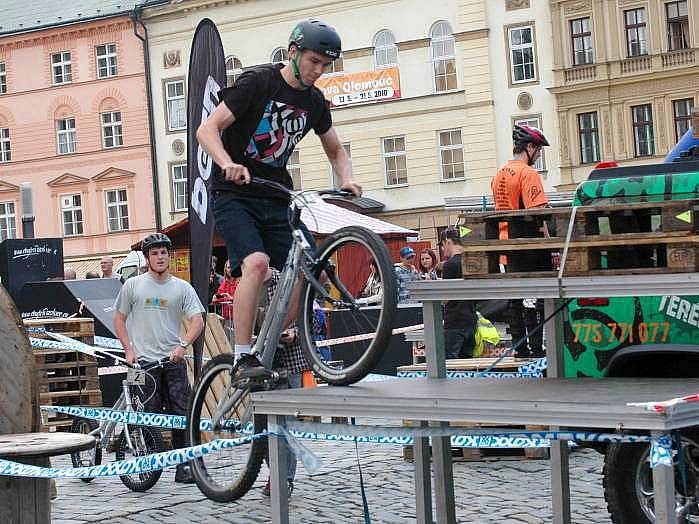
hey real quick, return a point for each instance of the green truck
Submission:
(639, 337)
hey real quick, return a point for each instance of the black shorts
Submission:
(254, 225)
(168, 391)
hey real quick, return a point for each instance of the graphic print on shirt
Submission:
(278, 132)
(155, 303)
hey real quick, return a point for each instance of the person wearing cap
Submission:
(405, 272)
(460, 318)
(252, 133)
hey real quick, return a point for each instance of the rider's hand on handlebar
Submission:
(236, 173)
(130, 356)
(352, 187)
(177, 354)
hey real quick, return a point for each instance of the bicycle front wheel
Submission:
(144, 441)
(228, 474)
(345, 338)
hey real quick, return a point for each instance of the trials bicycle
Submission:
(133, 441)
(332, 279)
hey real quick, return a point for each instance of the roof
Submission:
(323, 218)
(19, 17)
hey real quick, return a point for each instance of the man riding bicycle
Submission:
(155, 304)
(252, 133)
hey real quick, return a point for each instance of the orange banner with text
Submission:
(354, 88)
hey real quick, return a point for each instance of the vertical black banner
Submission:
(207, 73)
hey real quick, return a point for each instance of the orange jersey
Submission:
(517, 186)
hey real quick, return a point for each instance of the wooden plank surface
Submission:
(43, 444)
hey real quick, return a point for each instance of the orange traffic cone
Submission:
(308, 380)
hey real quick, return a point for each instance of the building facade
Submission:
(521, 65)
(410, 148)
(625, 80)
(74, 136)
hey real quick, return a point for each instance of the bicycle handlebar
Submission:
(149, 365)
(286, 191)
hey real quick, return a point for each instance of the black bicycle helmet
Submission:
(155, 240)
(522, 135)
(317, 36)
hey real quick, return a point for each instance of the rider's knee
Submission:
(255, 266)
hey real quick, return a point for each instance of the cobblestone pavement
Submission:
(503, 491)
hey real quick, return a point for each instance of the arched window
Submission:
(443, 57)
(280, 54)
(234, 68)
(385, 49)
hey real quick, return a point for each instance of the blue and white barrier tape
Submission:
(533, 369)
(127, 467)
(477, 438)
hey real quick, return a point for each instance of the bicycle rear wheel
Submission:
(228, 474)
(89, 457)
(358, 336)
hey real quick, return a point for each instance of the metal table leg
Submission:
(277, 472)
(423, 485)
(441, 446)
(560, 474)
(664, 488)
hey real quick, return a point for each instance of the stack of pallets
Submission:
(66, 378)
(638, 238)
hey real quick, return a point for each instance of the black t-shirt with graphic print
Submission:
(271, 117)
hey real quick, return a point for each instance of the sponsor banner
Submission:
(207, 72)
(356, 88)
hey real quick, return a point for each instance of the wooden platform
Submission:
(638, 238)
(474, 364)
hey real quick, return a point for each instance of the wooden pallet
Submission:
(640, 238)
(65, 378)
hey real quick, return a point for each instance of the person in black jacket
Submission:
(460, 319)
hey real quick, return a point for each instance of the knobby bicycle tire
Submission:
(370, 355)
(85, 426)
(147, 441)
(216, 372)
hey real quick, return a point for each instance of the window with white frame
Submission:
(111, 129)
(280, 55)
(394, 161)
(451, 154)
(293, 166)
(66, 137)
(442, 49)
(72, 215)
(336, 66)
(61, 68)
(682, 115)
(334, 177)
(385, 49)
(179, 187)
(522, 61)
(589, 137)
(644, 143)
(635, 25)
(176, 112)
(534, 122)
(8, 221)
(234, 68)
(106, 60)
(3, 79)
(5, 150)
(117, 210)
(581, 38)
(677, 25)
